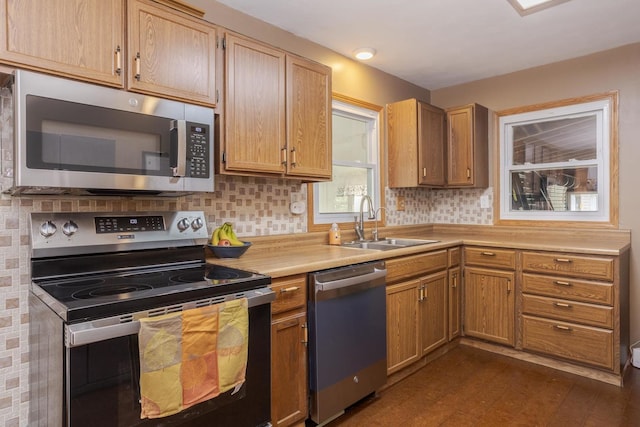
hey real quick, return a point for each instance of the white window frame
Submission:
(373, 162)
(601, 109)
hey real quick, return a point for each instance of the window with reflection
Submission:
(556, 162)
(356, 165)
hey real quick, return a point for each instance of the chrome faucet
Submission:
(360, 221)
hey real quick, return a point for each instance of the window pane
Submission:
(555, 190)
(553, 141)
(344, 192)
(350, 139)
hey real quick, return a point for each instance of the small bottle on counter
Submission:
(334, 235)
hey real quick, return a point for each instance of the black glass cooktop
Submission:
(108, 294)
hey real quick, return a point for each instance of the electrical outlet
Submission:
(484, 202)
(400, 203)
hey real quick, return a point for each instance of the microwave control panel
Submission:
(198, 150)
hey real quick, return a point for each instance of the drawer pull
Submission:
(561, 283)
(562, 327)
(291, 289)
(562, 304)
(488, 253)
(562, 260)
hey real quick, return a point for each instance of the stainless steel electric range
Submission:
(94, 276)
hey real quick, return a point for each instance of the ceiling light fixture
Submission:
(526, 7)
(364, 53)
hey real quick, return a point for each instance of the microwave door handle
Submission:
(179, 147)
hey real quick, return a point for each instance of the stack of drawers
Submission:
(568, 306)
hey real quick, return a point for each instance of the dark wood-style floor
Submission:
(472, 387)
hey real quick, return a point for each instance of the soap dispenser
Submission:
(334, 235)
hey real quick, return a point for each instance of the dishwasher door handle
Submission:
(362, 281)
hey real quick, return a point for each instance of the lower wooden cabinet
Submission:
(433, 312)
(572, 309)
(289, 387)
(489, 301)
(403, 316)
(417, 319)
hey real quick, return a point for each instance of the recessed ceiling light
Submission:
(364, 53)
(526, 7)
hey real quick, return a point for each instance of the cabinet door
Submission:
(454, 302)
(170, 54)
(254, 107)
(83, 39)
(460, 146)
(403, 343)
(433, 311)
(289, 370)
(308, 119)
(431, 147)
(489, 309)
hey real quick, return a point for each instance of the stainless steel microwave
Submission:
(79, 138)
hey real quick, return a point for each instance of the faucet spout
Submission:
(371, 215)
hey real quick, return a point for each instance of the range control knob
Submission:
(197, 223)
(69, 228)
(183, 224)
(48, 229)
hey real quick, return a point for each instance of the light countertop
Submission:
(280, 256)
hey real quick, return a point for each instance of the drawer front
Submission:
(570, 311)
(490, 257)
(589, 267)
(291, 293)
(575, 289)
(415, 265)
(582, 344)
(454, 257)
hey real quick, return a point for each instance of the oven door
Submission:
(103, 379)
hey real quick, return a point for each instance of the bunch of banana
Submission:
(225, 236)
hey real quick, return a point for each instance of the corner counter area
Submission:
(558, 298)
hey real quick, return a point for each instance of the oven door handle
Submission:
(79, 334)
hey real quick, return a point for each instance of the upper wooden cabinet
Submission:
(433, 148)
(166, 53)
(170, 53)
(468, 146)
(277, 117)
(416, 144)
(84, 39)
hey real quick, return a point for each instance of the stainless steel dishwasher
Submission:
(347, 337)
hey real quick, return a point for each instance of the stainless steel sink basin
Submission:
(388, 243)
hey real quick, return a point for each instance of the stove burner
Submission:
(79, 283)
(224, 274)
(215, 274)
(111, 290)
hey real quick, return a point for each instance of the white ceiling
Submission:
(440, 43)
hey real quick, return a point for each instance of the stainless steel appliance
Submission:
(94, 276)
(347, 337)
(73, 137)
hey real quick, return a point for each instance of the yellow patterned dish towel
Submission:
(190, 357)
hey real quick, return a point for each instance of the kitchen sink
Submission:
(388, 243)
